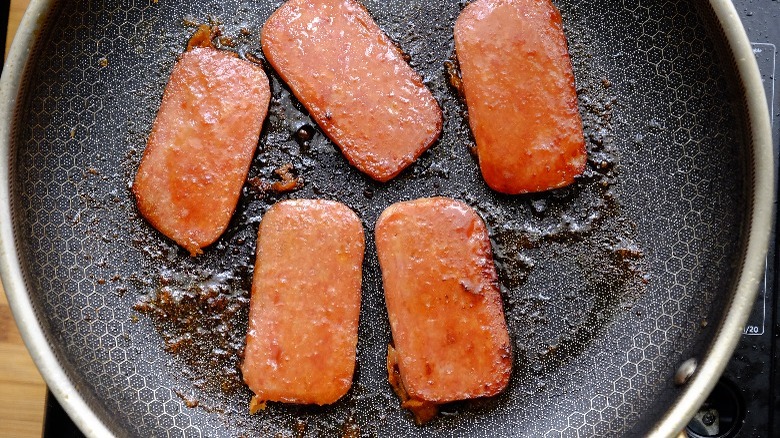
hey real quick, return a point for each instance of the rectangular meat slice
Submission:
(519, 87)
(354, 82)
(303, 314)
(201, 145)
(451, 339)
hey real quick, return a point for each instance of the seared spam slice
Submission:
(446, 317)
(519, 87)
(201, 145)
(303, 314)
(354, 82)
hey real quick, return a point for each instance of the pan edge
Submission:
(58, 382)
(758, 227)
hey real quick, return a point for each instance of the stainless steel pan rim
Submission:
(676, 417)
(10, 269)
(760, 224)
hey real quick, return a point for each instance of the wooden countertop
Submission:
(22, 391)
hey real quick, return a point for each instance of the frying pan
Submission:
(624, 294)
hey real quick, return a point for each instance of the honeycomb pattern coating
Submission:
(595, 355)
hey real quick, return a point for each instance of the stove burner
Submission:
(722, 414)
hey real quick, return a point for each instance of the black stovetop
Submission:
(745, 402)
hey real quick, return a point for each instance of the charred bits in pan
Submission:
(201, 319)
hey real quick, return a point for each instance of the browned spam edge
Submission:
(255, 405)
(193, 249)
(423, 411)
(202, 37)
(190, 246)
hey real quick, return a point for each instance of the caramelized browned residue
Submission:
(350, 429)
(190, 402)
(201, 321)
(423, 411)
(453, 75)
(201, 38)
(289, 181)
(255, 405)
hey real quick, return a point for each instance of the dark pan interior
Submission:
(608, 285)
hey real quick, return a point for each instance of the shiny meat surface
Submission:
(201, 145)
(354, 82)
(520, 92)
(303, 315)
(443, 301)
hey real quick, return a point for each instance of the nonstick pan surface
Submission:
(652, 257)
